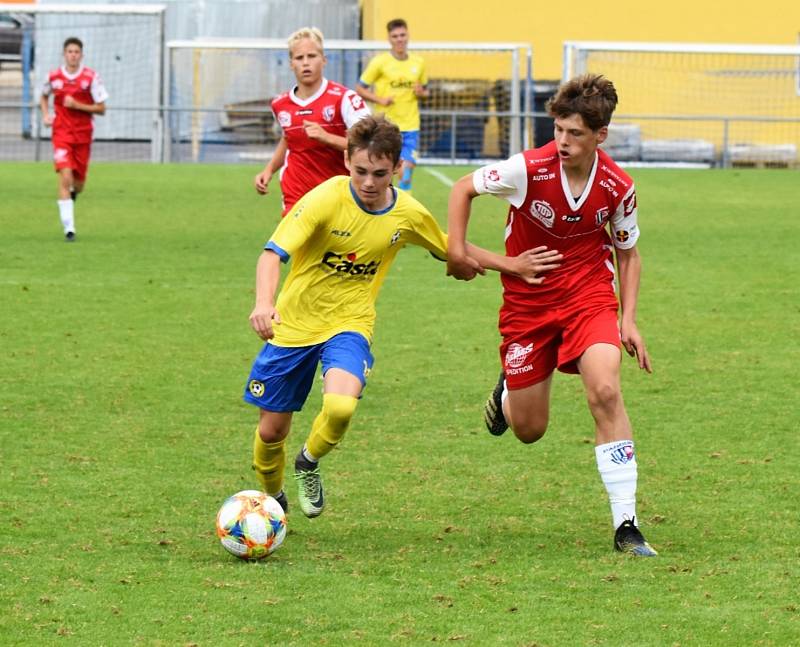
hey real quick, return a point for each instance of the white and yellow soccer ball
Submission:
(251, 524)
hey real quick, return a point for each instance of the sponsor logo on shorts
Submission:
(493, 175)
(543, 212)
(516, 358)
(367, 370)
(284, 119)
(346, 265)
(60, 154)
(328, 113)
(623, 454)
(256, 388)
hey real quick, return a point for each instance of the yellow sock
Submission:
(269, 460)
(331, 423)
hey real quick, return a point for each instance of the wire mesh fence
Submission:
(249, 135)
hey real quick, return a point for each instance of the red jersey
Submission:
(85, 86)
(543, 211)
(308, 162)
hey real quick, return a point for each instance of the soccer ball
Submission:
(251, 524)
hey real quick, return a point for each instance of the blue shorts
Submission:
(410, 144)
(281, 377)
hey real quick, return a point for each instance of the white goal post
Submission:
(216, 89)
(719, 104)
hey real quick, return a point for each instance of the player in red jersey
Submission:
(78, 94)
(565, 196)
(314, 116)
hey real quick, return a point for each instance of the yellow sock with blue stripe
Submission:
(269, 461)
(331, 423)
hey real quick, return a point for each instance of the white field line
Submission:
(440, 176)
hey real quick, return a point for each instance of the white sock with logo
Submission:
(616, 462)
(66, 211)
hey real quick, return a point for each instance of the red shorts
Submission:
(72, 156)
(535, 343)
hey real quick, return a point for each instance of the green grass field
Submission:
(122, 430)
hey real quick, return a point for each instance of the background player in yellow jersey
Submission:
(398, 80)
(342, 236)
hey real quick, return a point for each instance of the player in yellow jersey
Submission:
(342, 236)
(398, 80)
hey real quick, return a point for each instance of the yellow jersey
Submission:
(340, 254)
(396, 78)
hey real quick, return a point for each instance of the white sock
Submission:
(616, 462)
(66, 211)
(503, 398)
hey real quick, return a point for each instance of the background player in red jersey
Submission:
(564, 196)
(78, 94)
(314, 116)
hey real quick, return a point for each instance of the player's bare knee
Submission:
(272, 429)
(604, 398)
(531, 430)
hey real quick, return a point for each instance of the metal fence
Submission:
(249, 136)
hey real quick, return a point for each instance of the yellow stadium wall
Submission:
(547, 25)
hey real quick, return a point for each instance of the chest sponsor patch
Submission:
(543, 212)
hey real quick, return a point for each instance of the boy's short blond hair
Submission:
(312, 33)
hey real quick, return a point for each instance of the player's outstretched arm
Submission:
(365, 93)
(630, 270)
(264, 315)
(460, 264)
(262, 180)
(529, 266)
